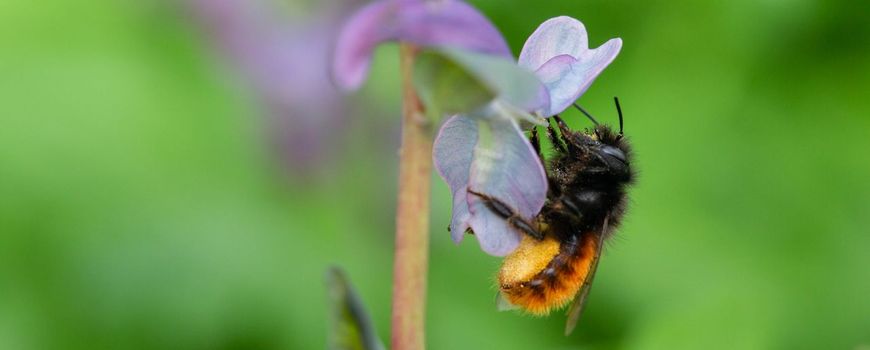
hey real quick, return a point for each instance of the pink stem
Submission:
(412, 217)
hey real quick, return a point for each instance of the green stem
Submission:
(411, 261)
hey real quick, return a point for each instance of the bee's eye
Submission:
(614, 152)
(615, 161)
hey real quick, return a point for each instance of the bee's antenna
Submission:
(586, 113)
(618, 110)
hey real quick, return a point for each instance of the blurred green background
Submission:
(143, 203)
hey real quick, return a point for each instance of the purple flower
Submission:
(506, 166)
(482, 148)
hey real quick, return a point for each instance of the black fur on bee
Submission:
(587, 177)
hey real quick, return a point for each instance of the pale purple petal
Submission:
(566, 78)
(559, 53)
(491, 156)
(495, 235)
(452, 154)
(450, 23)
(557, 36)
(505, 167)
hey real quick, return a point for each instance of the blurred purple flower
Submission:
(286, 63)
(482, 149)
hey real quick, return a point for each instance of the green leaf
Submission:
(350, 326)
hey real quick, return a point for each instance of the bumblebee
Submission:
(556, 261)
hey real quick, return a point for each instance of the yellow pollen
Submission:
(530, 258)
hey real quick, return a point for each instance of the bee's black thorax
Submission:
(588, 179)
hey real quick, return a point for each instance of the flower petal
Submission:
(493, 157)
(451, 23)
(452, 154)
(505, 167)
(557, 36)
(566, 77)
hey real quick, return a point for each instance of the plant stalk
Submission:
(411, 262)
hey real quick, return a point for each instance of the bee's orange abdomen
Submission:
(541, 276)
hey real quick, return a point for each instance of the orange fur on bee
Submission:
(541, 276)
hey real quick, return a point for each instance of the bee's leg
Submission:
(562, 126)
(468, 231)
(568, 137)
(536, 142)
(504, 211)
(572, 206)
(554, 191)
(555, 140)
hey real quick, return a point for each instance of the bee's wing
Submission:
(576, 307)
(502, 304)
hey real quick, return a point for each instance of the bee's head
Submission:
(613, 151)
(610, 147)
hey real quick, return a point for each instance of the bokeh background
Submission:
(180, 174)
